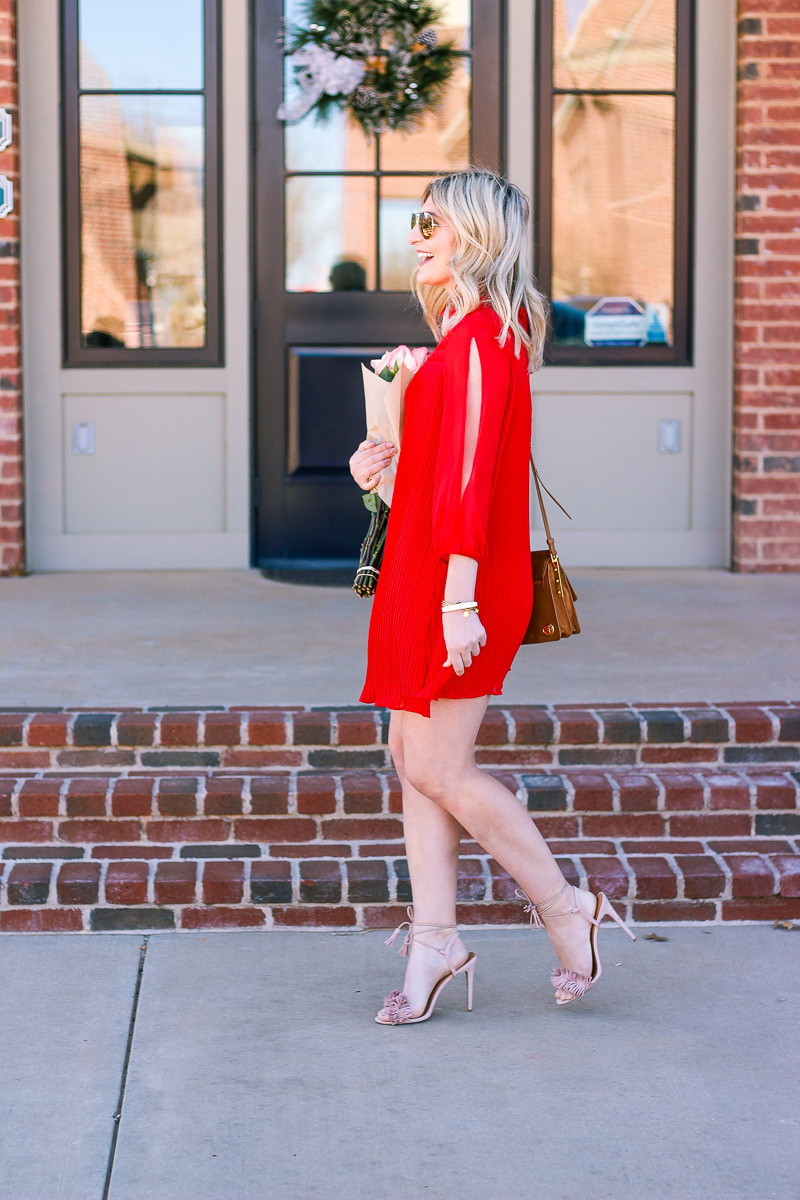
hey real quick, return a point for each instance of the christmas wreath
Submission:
(381, 60)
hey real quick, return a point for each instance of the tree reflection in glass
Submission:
(142, 173)
(142, 220)
(613, 161)
(613, 207)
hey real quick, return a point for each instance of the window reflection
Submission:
(330, 233)
(399, 198)
(330, 144)
(142, 220)
(614, 44)
(442, 143)
(455, 23)
(141, 44)
(334, 222)
(613, 209)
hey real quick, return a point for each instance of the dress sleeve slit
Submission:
(476, 381)
(472, 421)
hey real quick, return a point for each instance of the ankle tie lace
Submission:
(537, 911)
(414, 932)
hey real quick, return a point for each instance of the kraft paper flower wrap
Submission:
(384, 392)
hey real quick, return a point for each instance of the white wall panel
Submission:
(157, 464)
(599, 455)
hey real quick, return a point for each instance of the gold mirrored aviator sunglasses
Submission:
(427, 223)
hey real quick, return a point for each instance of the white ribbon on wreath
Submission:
(320, 72)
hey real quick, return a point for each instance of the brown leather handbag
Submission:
(553, 615)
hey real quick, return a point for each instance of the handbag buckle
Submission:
(557, 573)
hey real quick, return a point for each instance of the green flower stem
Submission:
(369, 564)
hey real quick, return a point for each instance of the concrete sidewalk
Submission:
(256, 1072)
(233, 637)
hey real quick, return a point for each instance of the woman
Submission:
(455, 593)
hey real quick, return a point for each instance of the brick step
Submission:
(302, 847)
(227, 818)
(42, 896)
(330, 739)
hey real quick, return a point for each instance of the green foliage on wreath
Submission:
(407, 67)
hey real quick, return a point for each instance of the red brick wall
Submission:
(12, 533)
(766, 530)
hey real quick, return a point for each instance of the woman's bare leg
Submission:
(432, 836)
(439, 763)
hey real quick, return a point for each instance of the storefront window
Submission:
(140, 146)
(349, 199)
(614, 177)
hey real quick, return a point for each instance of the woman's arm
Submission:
(463, 635)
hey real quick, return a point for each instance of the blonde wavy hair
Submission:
(489, 217)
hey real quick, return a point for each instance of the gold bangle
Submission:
(465, 606)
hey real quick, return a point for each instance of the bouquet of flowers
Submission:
(384, 391)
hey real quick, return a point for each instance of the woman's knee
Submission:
(429, 779)
(411, 768)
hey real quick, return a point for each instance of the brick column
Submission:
(766, 524)
(12, 530)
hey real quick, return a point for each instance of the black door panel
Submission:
(326, 408)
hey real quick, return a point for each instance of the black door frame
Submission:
(279, 317)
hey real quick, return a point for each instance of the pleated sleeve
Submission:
(461, 506)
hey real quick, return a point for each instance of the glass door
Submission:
(332, 212)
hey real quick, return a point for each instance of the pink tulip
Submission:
(392, 359)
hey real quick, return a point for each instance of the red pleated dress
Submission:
(430, 519)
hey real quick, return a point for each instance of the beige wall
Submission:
(168, 484)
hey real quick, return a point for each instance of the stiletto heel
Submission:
(396, 1007)
(608, 910)
(572, 981)
(469, 968)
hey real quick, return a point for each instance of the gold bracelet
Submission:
(465, 606)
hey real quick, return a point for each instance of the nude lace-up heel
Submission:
(572, 981)
(396, 1008)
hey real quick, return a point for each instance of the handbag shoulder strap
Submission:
(539, 485)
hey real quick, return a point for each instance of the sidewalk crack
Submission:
(126, 1062)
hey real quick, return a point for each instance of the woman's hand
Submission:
(463, 637)
(368, 462)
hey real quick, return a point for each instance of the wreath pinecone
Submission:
(407, 67)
